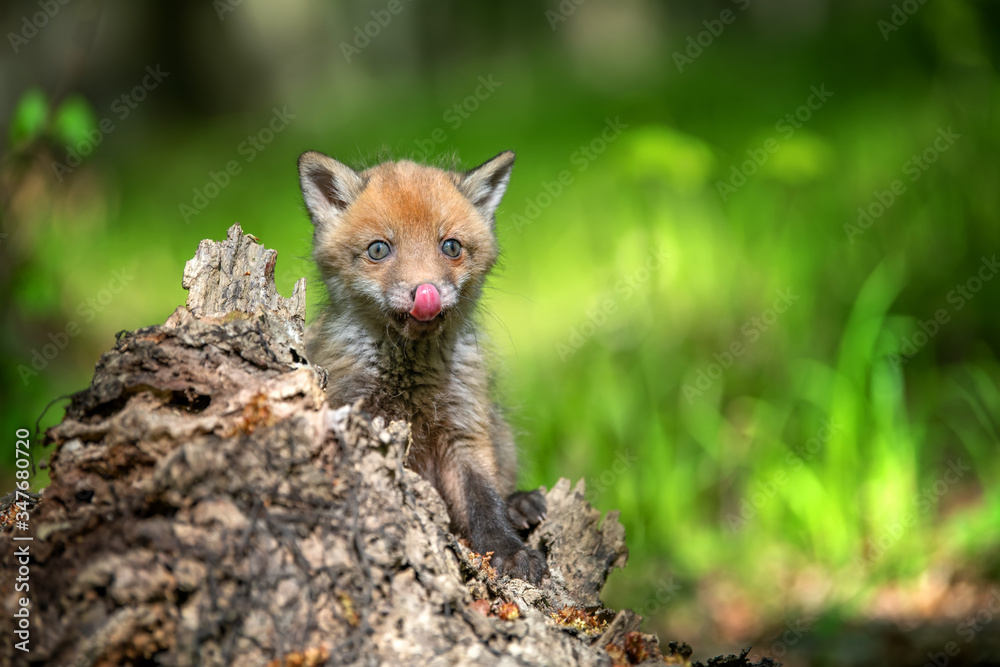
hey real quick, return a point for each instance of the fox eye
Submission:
(378, 250)
(452, 248)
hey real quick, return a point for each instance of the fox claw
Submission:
(526, 509)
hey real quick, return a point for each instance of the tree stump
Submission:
(208, 507)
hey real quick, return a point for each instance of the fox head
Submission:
(404, 246)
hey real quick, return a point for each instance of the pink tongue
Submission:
(426, 303)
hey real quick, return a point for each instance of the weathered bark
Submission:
(207, 507)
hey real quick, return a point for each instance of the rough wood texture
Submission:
(207, 507)
(238, 274)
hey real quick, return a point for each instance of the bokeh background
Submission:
(748, 290)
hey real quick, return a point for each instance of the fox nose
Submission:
(426, 302)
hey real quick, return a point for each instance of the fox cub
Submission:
(404, 250)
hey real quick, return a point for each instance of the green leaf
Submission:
(29, 117)
(74, 121)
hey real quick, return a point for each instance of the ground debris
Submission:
(580, 619)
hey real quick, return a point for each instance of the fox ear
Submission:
(328, 186)
(484, 186)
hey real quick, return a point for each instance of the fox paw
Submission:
(525, 509)
(525, 563)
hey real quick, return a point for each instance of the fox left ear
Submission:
(328, 187)
(484, 186)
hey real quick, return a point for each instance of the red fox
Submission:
(404, 250)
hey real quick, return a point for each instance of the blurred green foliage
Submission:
(70, 123)
(29, 117)
(768, 385)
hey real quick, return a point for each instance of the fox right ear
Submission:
(484, 186)
(328, 186)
